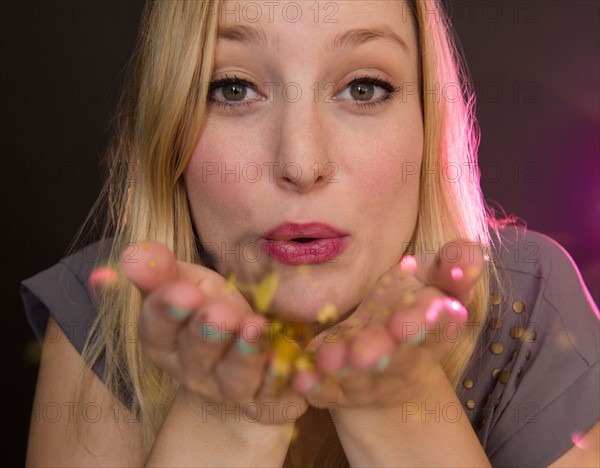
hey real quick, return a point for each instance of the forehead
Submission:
(273, 25)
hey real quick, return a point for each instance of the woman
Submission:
(295, 159)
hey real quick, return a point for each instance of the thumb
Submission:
(148, 265)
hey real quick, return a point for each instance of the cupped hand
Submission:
(202, 331)
(389, 349)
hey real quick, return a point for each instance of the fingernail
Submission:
(312, 391)
(417, 339)
(408, 264)
(178, 313)
(343, 372)
(381, 365)
(210, 333)
(245, 348)
(457, 273)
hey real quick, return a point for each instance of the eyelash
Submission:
(388, 87)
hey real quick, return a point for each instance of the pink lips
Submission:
(296, 244)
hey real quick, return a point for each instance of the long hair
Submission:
(156, 127)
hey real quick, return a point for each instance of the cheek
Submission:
(387, 168)
(217, 190)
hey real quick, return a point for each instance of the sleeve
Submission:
(57, 291)
(61, 291)
(555, 393)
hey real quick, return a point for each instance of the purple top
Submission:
(534, 379)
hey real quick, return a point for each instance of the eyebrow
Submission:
(351, 38)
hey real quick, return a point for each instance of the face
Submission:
(306, 164)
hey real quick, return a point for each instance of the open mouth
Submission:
(303, 240)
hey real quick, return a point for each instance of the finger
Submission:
(455, 268)
(164, 313)
(148, 265)
(332, 357)
(433, 321)
(240, 372)
(370, 348)
(205, 339)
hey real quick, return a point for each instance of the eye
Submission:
(232, 92)
(367, 91)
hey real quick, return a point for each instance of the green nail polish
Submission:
(210, 334)
(178, 312)
(343, 372)
(314, 389)
(417, 339)
(245, 348)
(381, 364)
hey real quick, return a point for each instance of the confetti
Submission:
(265, 292)
(409, 299)
(328, 313)
(304, 363)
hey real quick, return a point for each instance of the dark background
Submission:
(536, 71)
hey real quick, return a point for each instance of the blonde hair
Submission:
(157, 125)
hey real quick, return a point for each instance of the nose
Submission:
(301, 157)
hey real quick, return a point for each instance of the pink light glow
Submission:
(102, 276)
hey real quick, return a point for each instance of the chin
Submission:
(304, 304)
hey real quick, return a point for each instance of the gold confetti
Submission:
(473, 272)
(304, 363)
(328, 313)
(386, 280)
(152, 263)
(304, 270)
(409, 299)
(231, 283)
(265, 292)
(387, 312)
(32, 352)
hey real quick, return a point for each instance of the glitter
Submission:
(409, 299)
(152, 263)
(304, 363)
(386, 280)
(472, 272)
(328, 313)
(265, 292)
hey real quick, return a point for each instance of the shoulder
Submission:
(541, 349)
(545, 280)
(62, 291)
